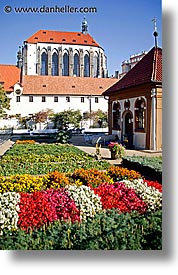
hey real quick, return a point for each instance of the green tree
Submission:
(4, 102)
(64, 119)
(99, 118)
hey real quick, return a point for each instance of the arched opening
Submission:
(55, 70)
(76, 65)
(65, 69)
(140, 114)
(44, 64)
(128, 128)
(116, 111)
(86, 66)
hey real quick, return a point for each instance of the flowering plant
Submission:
(117, 148)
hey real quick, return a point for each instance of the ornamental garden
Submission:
(56, 197)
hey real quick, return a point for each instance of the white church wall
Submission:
(31, 59)
(24, 107)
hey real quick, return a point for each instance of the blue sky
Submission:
(121, 27)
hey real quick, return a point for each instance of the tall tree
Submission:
(4, 102)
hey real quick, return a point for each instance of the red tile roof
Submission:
(147, 70)
(76, 38)
(65, 85)
(9, 75)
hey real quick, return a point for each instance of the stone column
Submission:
(99, 65)
(60, 60)
(71, 62)
(81, 62)
(110, 122)
(91, 63)
(49, 60)
(153, 103)
(38, 65)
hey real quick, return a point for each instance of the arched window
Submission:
(140, 114)
(76, 65)
(86, 65)
(96, 66)
(44, 64)
(65, 69)
(55, 64)
(116, 116)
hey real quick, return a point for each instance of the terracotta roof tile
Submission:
(9, 75)
(65, 85)
(147, 70)
(76, 38)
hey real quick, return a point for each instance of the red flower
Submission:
(119, 196)
(44, 207)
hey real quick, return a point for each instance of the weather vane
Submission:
(155, 33)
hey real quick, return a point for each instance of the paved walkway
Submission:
(5, 146)
(79, 142)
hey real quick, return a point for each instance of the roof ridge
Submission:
(153, 77)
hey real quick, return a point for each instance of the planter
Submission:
(114, 155)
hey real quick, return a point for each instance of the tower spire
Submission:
(155, 33)
(84, 26)
(19, 58)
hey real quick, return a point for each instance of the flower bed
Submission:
(78, 208)
(36, 159)
(32, 210)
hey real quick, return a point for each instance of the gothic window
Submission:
(96, 66)
(65, 70)
(76, 65)
(116, 116)
(86, 66)
(140, 114)
(55, 64)
(44, 64)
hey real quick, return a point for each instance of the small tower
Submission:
(155, 33)
(19, 58)
(84, 26)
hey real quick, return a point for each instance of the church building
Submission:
(57, 70)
